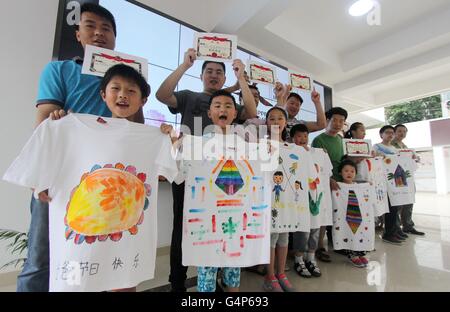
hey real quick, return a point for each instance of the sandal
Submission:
(322, 255)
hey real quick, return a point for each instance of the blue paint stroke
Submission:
(294, 157)
(260, 207)
(196, 210)
(199, 179)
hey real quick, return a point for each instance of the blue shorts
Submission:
(207, 276)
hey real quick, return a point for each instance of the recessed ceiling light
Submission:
(361, 7)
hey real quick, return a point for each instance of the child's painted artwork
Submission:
(353, 217)
(378, 181)
(107, 202)
(398, 170)
(290, 196)
(103, 184)
(319, 189)
(226, 219)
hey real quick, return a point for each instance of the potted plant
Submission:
(17, 246)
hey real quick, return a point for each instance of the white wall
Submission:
(27, 29)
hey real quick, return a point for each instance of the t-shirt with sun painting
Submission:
(102, 176)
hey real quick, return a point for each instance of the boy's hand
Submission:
(282, 92)
(315, 96)
(333, 185)
(58, 114)
(43, 197)
(239, 69)
(167, 129)
(189, 58)
(278, 89)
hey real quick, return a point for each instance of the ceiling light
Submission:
(361, 7)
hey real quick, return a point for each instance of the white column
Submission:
(445, 98)
(441, 168)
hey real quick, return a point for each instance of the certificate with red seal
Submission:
(262, 73)
(215, 47)
(357, 148)
(97, 61)
(300, 81)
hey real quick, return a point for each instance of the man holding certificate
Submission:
(193, 107)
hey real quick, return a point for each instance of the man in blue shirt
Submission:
(63, 87)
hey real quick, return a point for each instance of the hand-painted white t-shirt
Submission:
(399, 173)
(320, 192)
(102, 176)
(290, 190)
(372, 170)
(226, 216)
(353, 217)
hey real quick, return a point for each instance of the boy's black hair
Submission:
(336, 111)
(297, 96)
(353, 127)
(208, 62)
(126, 72)
(400, 126)
(251, 86)
(222, 93)
(347, 162)
(278, 173)
(100, 11)
(298, 128)
(384, 128)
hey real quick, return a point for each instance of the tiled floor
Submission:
(420, 264)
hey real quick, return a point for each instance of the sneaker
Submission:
(322, 255)
(342, 252)
(364, 260)
(272, 285)
(313, 268)
(356, 262)
(413, 231)
(391, 240)
(301, 269)
(285, 284)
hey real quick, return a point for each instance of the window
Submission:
(137, 31)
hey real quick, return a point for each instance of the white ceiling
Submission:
(406, 57)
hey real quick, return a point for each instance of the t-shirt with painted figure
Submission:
(226, 215)
(102, 176)
(290, 190)
(353, 217)
(319, 190)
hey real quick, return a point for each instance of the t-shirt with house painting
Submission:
(102, 176)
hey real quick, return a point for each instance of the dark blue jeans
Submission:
(177, 277)
(35, 274)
